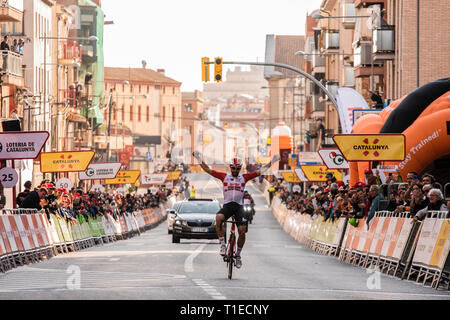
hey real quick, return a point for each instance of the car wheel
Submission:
(175, 239)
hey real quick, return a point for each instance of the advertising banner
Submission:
(372, 147)
(301, 175)
(349, 99)
(21, 145)
(333, 159)
(319, 173)
(124, 158)
(74, 161)
(124, 177)
(151, 179)
(305, 158)
(100, 171)
(290, 177)
(130, 151)
(174, 175)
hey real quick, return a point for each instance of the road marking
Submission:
(189, 263)
(210, 290)
(114, 259)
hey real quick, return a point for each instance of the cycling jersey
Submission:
(233, 187)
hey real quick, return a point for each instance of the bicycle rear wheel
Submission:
(231, 257)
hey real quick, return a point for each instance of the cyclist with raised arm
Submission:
(233, 194)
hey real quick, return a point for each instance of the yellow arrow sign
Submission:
(74, 161)
(290, 177)
(125, 177)
(319, 173)
(371, 147)
(172, 176)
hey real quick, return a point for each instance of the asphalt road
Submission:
(275, 267)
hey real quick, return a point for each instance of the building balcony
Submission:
(384, 43)
(317, 105)
(348, 10)
(330, 41)
(318, 64)
(366, 3)
(70, 98)
(70, 53)
(366, 71)
(10, 14)
(11, 68)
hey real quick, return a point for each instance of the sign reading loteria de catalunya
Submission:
(73, 161)
(101, 171)
(22, 145)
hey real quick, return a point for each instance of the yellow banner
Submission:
(440, 244)
(371, 147)
(319, 173)
(290, 177)
(125, 177)
(75, 161)
(172, 176)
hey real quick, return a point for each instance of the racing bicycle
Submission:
(230, 258)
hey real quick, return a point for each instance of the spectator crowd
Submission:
(74, 203)
(415, 197)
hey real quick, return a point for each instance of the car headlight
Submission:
(181, 223)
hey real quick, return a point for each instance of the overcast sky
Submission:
(175, 34)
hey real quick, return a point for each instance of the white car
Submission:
(171, 214)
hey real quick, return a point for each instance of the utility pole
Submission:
(109, 125)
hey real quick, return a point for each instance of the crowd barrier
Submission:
(392, 243)
(29, 236)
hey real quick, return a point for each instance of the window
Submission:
(173, 90)
(148, 113)
(139, 113)
(123, 112)
(131, 113)
(164, 114)
(173, 114)
(140, 88)
(115, 115)
(148, 89)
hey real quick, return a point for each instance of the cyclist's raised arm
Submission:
(203, 165)
(266, 167)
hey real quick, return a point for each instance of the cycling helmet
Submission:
(236, 162)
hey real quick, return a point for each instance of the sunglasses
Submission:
(235, 168)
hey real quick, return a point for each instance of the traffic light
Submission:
(205, 70)
(218, 63)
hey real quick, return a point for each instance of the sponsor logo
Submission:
(337, 159)
(418, 148)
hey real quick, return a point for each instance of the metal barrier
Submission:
(29, 236)
(391, 242)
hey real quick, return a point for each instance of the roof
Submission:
(137, 75)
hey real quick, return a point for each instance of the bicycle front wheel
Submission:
(231, 257)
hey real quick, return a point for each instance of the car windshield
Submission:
(203, 207)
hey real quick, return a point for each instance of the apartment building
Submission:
(384, 49)
(149, 104)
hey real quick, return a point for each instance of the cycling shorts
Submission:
(236, 210)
